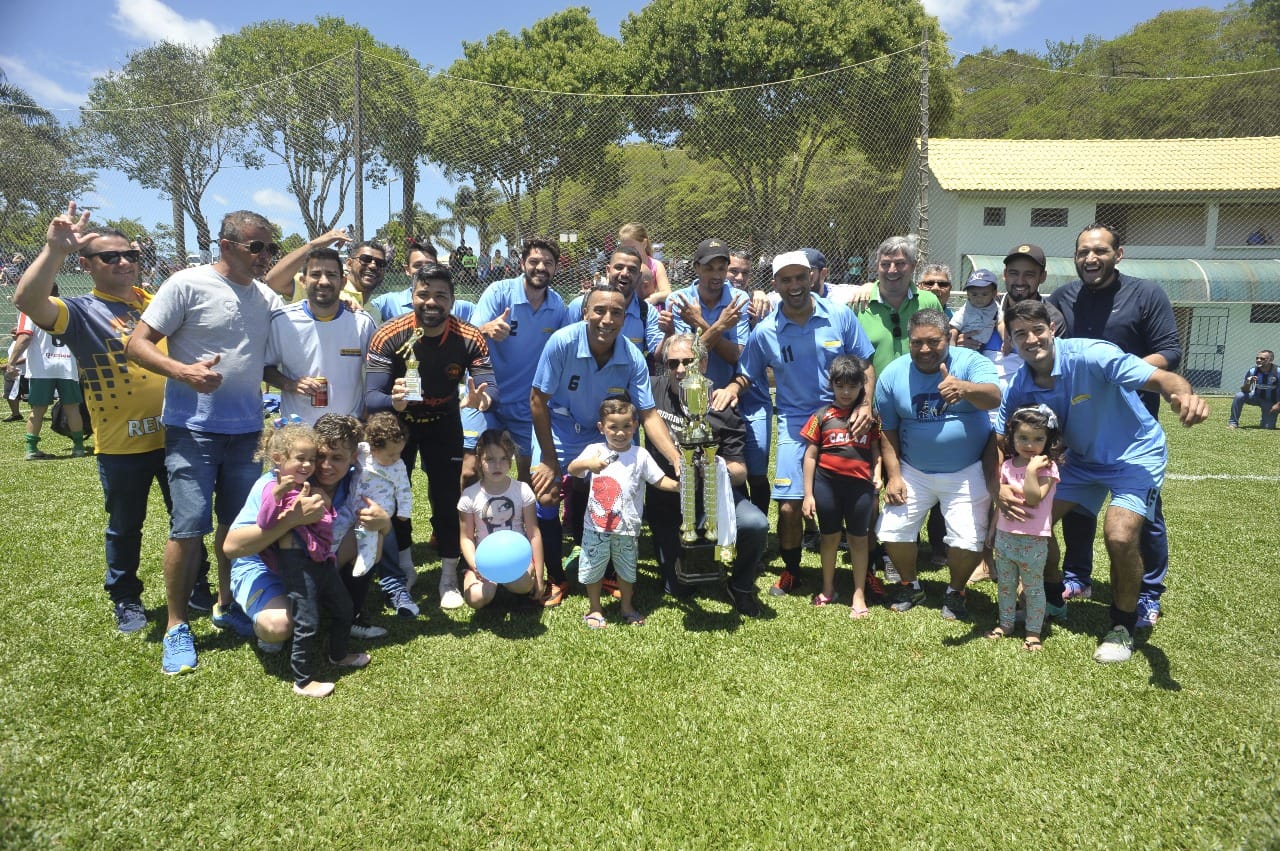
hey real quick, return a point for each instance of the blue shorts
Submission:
(599, 548)
(253, 584)
(208, 471)
(40, 391)
(759, 426)
(1132, 486)
(519, 424)
(788, 476)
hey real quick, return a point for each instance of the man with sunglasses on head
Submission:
(215, 321)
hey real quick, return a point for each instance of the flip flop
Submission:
(858, 614)
(594, 620)
(633, 619)
(1032, 645)
(998, 632)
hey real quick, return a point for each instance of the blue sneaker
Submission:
(1148, 614)
(403, 604)
(232, 617)
(179, 651)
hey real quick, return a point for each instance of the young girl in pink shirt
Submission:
(1021, 547)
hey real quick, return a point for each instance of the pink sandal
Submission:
(821, 599)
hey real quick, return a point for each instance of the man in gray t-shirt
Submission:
(214, 321)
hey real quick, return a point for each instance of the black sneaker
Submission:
(747, 603)
(812, 541)
(905, 597)
(130, 616)
(953, 608)
(202, 598)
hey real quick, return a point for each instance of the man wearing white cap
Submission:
(799, 341)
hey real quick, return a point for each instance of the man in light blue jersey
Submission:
(799, 341)
(1114, 445)
(517, 316)
(714, 309)
(640, 325)
(581, 365)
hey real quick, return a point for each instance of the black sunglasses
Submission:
(257, 246)
(370, 260)
(676, 363)
(111, 258)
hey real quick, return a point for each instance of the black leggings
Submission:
(843, 502)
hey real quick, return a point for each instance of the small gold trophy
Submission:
(412, 378)
(698, 473)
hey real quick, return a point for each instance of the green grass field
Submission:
(512, 729)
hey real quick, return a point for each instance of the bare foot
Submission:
(315, 688)
(353, 660)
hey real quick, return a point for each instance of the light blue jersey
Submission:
(1100, 416)
(568, 373)
(934, 437)
(515, 359)
(719, 370)
(640, 325)
(801, 355)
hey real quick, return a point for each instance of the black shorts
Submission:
(843, 503)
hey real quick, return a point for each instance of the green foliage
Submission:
(1118, 88)
(482, 129)
(510, 728)
(311, 128)
(159, 119)
(767, 137)
(38, 167)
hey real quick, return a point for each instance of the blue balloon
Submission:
(504, 556)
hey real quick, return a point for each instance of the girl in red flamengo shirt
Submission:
(841, 480)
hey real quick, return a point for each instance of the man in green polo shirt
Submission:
(894, 300)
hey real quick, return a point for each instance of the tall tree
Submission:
(767, 132)
(38, 170)
(495, 118)
(295, 84)
(161, 120)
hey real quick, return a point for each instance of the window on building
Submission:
(1156, 224)
(993, 217)
(1048, 217)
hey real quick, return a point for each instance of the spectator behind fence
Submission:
(1261, 383)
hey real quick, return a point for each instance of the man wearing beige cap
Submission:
(799, 341)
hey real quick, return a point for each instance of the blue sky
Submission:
(54, 51)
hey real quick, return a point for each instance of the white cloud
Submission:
(151, 20)
(273, 199)
(46, 92)
(985, 18)
(219, 199)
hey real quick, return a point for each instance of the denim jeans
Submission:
(309, 584)
(663, 514)
(1238, 403)
(126, 487)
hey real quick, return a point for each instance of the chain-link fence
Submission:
(832, 160)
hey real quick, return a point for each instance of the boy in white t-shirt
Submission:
(618, 470)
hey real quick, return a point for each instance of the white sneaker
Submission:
(367, 632)
(450, 597)
(1116, 646)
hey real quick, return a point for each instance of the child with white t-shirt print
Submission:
(495, 503)
(618, 470)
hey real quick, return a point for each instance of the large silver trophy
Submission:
(699, 478)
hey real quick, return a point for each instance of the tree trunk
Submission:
(179, 227)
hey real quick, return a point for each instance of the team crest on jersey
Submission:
(453, 371)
